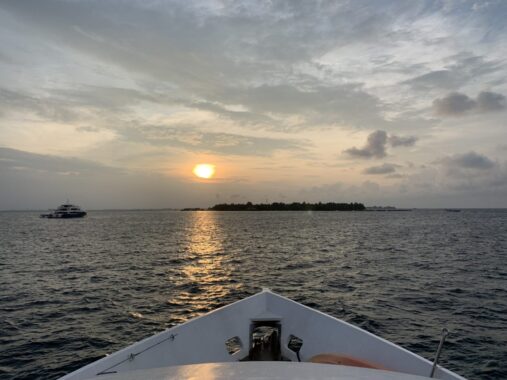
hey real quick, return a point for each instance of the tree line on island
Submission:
(294, 206)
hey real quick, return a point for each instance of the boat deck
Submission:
(261, 370)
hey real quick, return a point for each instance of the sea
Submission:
(74, 290)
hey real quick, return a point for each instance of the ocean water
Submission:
(74, 290)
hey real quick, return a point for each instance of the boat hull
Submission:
(79, 214)
(204, 340)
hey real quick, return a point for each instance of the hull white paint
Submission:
(202, 340)
(261, 370)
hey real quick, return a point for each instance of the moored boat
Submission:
(265, 336)
(65, 211)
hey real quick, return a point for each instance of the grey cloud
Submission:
(463, 68)
(44, 106)
(375, 146)
(64, 105)
(14, 159)
(381, 169)
(190, 138)
(396, 141)
(437, 78)
(83, 103)
(36, 181)
(178, 46)
(272, 33)
(6, 59)
(315, 102)
(490, 101)
(241, 116)
(87, 129)
(453, 104)
(470, 160)
(457, 104)
(109, 98)
(395, 176)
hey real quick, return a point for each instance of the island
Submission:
(295, 206)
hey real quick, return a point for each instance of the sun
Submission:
(204, 170)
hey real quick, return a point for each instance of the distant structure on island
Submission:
(295, 206)
(386, 208)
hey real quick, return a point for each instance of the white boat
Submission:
(65, 211)
(265, 336)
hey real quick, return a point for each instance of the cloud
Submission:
(316, 103)
(453, 104)
(462, 69)
(147, 74)
(13, 159)
(381, 169)
(376, 145)
(239, 116)
(193, 139)
(457, 104)
(38, 181)
(45, 107)
(268, 63)
(490, 101)
(396, 141)
(470, 160)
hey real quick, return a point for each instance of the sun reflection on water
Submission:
(206, 278)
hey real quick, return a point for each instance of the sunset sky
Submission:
(111, 104)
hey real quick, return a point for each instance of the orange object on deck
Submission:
(343, 360)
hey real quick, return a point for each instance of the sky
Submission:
(111, 104)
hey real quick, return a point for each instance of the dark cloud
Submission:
(470, 160)
(453, 104)
(402, 140)
(376, 144)
(490, 101)
(381, 169)
(457, 104)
